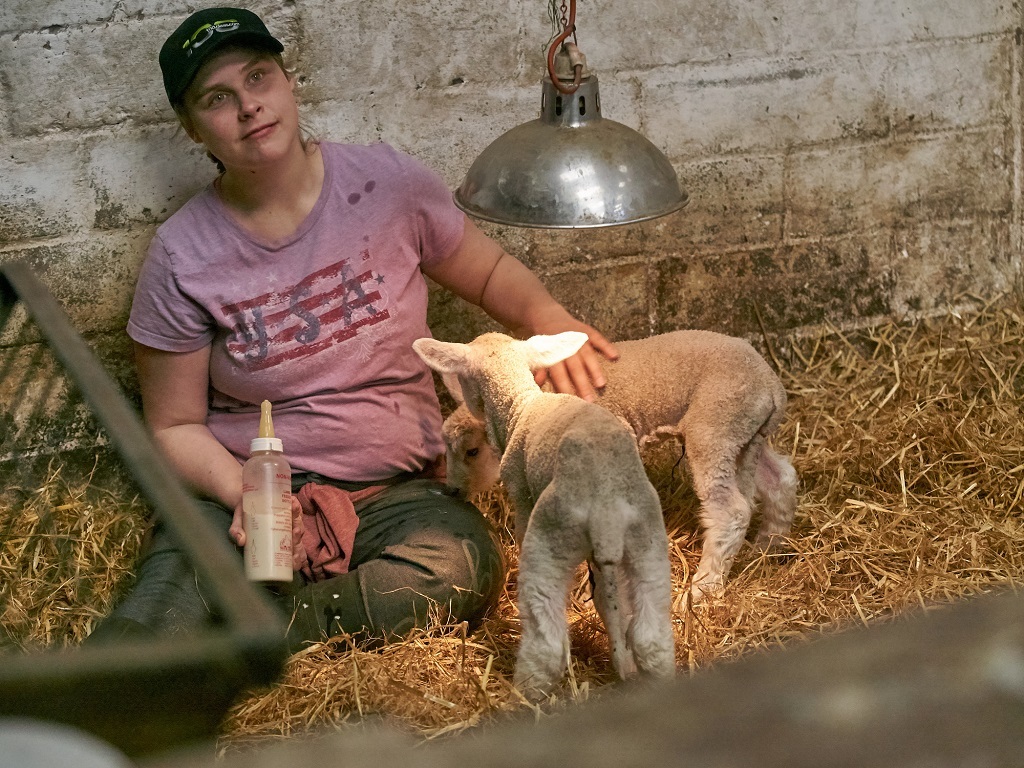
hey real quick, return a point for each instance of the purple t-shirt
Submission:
(322, 324)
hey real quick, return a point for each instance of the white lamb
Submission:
(579, 490)
(715, 394)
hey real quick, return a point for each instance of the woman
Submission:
(297, 277)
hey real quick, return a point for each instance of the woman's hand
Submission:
(580, 374)
(237, 532)
(237, 529)
(480, 272)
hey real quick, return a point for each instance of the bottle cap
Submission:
(266, 440)
(265, 444)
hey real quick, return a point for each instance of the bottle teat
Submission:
(266, 421)
(266, 440)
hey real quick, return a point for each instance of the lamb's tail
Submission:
(608, 529)
(777, 413)
(611, 595)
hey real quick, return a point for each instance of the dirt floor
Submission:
(909, 442)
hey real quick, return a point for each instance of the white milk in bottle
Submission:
(267, 506)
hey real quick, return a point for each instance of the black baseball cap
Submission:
(203, 33)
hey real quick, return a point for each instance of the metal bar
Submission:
(944, 690)
(157, 481)
(249, 649)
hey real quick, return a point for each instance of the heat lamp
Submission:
(571, 167)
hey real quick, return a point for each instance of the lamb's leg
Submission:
(723, 478)
(608, 594)
(547, 565)
(776, 483)
(725, 513)
(650, 577)
(522, 506)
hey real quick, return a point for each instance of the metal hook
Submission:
(570, 29)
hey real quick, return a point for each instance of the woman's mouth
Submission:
(259, 132)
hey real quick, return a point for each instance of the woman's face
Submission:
(241, 107)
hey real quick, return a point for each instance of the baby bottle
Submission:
(267, 506)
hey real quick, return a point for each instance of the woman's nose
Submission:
(248, 106)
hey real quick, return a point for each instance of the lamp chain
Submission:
(559, 16)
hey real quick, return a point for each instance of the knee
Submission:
(480, 584)
(461, 563)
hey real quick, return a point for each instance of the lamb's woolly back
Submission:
(574, 476)
(581, 446)
(681, 382)
(719, 396)
(657, 380)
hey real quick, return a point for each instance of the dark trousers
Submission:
(420, 556)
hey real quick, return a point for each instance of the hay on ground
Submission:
(909, 446)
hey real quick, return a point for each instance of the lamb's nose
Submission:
(458, 493)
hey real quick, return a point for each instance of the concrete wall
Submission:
(847, 160)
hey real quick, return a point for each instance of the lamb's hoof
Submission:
(705, 591)
(660, 665)
(770, 543)
(625, 668)
(534, 688)
(532, 693)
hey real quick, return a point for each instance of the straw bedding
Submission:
(909, 442)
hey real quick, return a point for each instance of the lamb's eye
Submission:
(472, 452)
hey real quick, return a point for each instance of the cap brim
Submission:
(248, 39)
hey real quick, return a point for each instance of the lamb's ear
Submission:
(545, 351)
(451, 382)
(443, 356)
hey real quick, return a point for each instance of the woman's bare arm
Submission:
(174, 389)
(482, 273)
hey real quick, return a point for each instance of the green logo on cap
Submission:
(227, 25)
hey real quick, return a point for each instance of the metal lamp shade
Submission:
(570, 168)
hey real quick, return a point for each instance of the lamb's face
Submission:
(473, 465)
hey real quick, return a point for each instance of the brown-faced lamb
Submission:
(716, 395)
(580, 492)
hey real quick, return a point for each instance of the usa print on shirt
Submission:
(325, 308)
